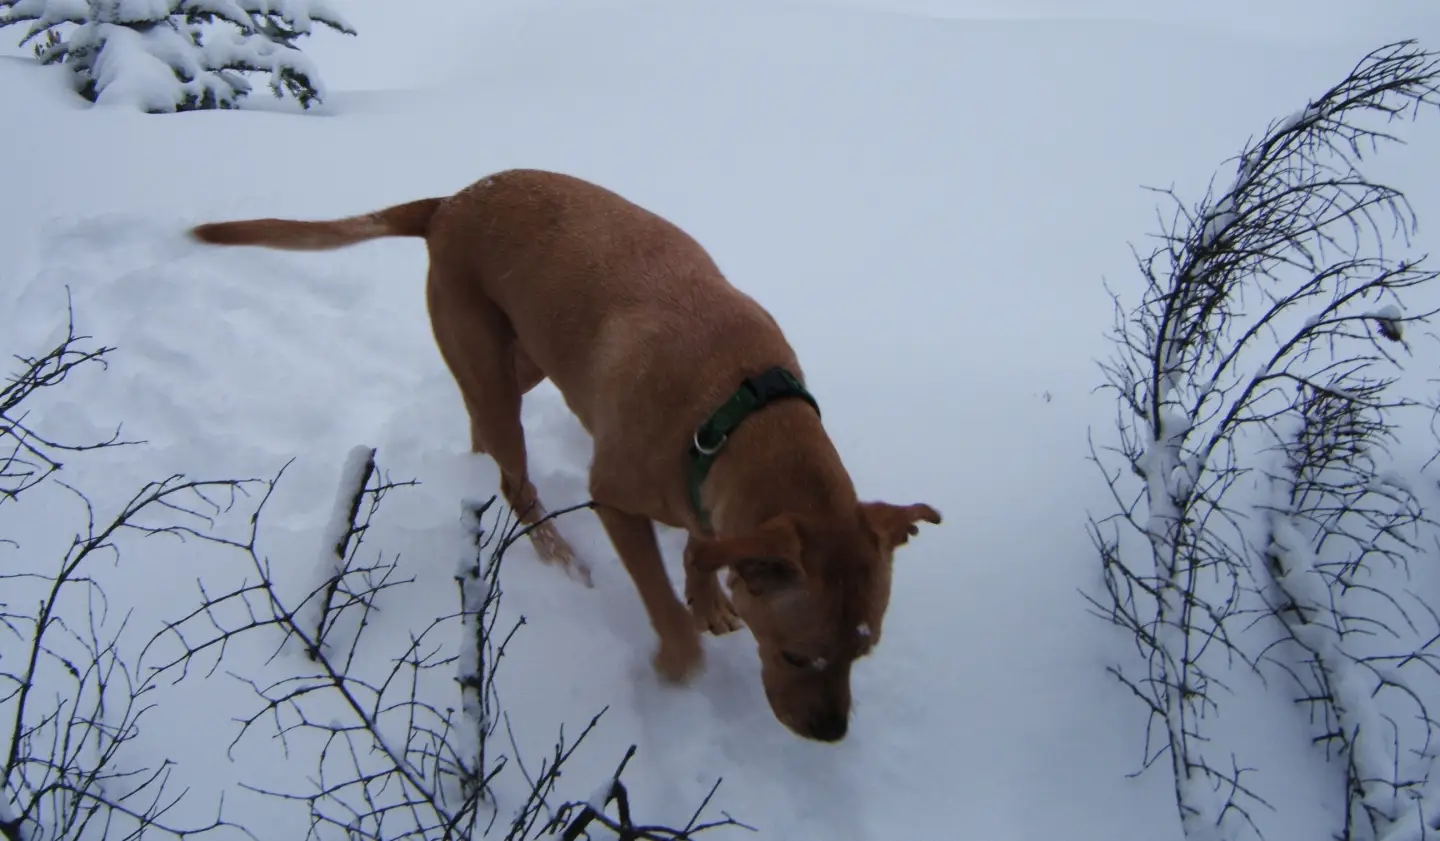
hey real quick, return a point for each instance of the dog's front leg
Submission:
(680, 656)
(710, 608)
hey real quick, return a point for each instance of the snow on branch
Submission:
(1276, 288)
(339, 570)
(388, 764)
(177, 55)
(1335, 517)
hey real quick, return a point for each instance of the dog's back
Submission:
(626, 313)
(617, 305)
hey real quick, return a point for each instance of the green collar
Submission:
(754, 394)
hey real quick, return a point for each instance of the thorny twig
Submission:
(1277, 287)
(394, 764)
(1337, 514)
(72, 702)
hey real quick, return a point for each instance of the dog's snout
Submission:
(828, 726)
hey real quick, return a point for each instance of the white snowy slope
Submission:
(928, 207)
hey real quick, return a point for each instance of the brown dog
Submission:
(695, 403)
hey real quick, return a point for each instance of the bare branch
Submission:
(1275, 289)
(396, 765)
(390, 761)
(1335, 515)
(72, 703)
(27, 458)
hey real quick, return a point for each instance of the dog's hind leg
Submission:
(527, 373)
(478, 345)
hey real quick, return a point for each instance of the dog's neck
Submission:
(779, 461)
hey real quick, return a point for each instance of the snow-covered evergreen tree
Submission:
(177, 55)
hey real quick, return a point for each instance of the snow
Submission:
(353, 475)
(330, 564)
(122, 11)
(475, 591)
(599, 798)
(1324, 623)
(228, 49)
(43, 13)
(1391, 322)
(1220, 217)
(9, 818)
(134, 68)
(302, 14)
(177, 61)
(1215, 225)
(884, 184)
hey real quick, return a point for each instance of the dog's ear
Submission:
(893, 525)
(766, 560)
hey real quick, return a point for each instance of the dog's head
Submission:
(814, 594)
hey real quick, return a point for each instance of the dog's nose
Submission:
(828, 727)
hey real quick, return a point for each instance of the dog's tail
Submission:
(411, 219)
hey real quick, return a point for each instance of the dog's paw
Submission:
(580, 571)
(716, 614)
(555, 549)
(680, 657)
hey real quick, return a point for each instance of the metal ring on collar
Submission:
(704, 450)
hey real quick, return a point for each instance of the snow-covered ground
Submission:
(928, 204)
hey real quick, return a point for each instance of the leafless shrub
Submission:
(28, 458)
(69, 701)
(1256, 300)
(573, 819)
(392, 762)
(392, 757)
(1336, 516)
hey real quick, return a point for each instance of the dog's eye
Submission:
(812, 663)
